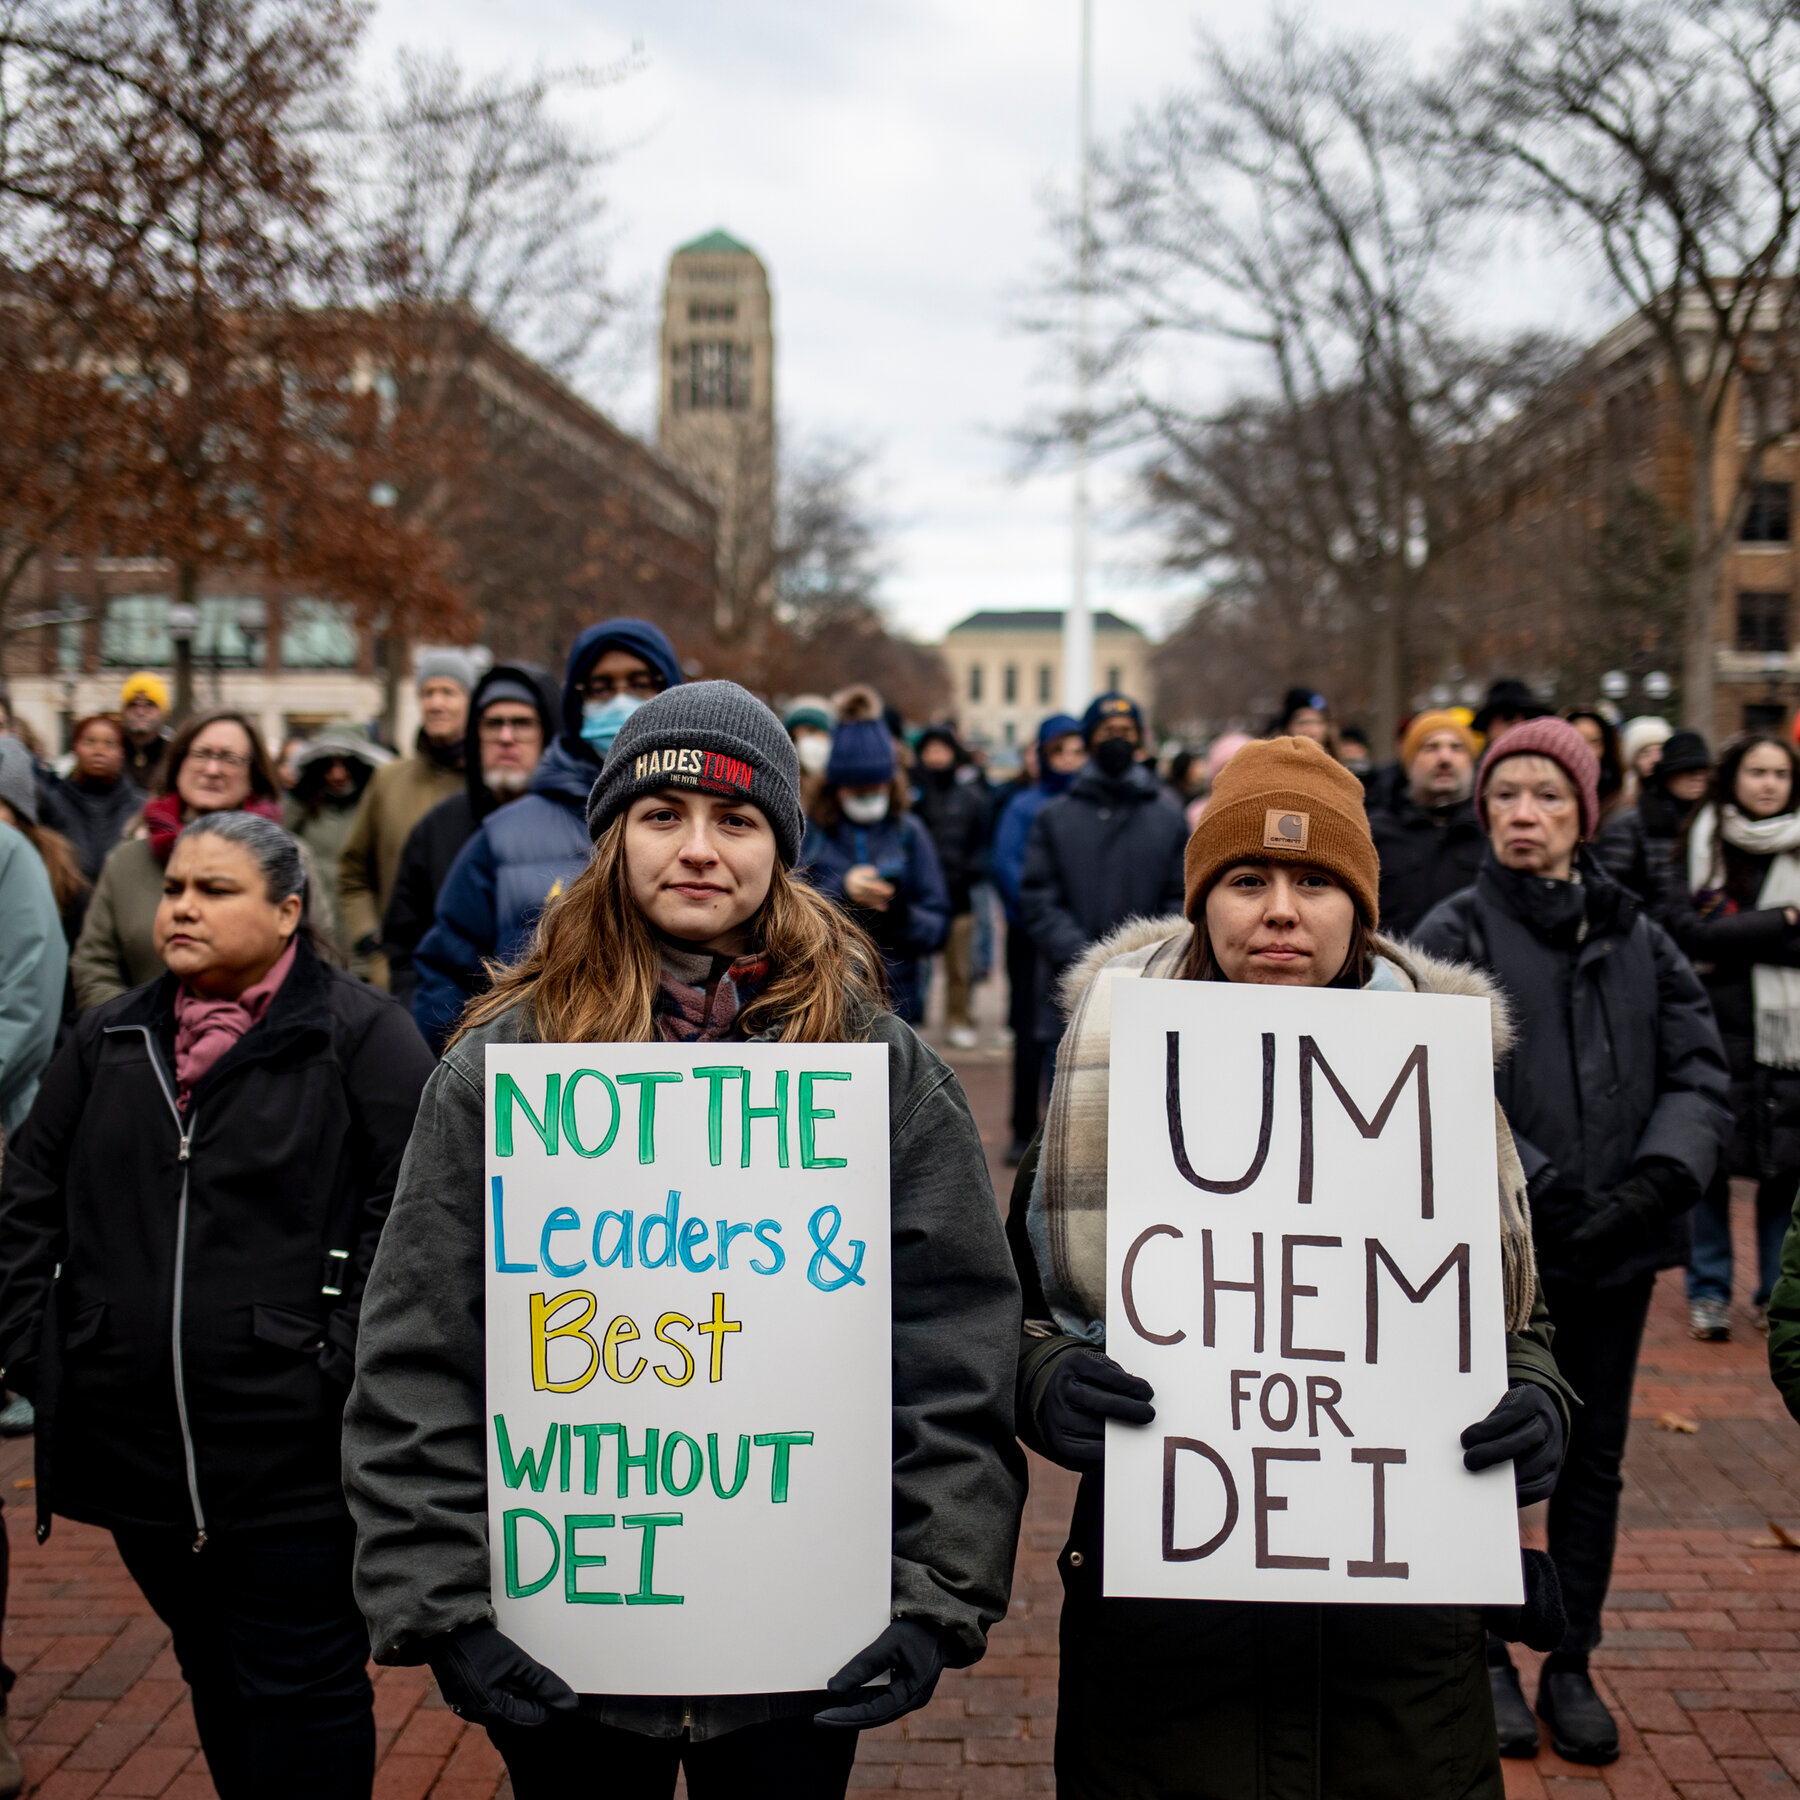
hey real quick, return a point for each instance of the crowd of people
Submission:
(244, 1001)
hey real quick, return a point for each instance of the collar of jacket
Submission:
(301, 1007)
(1555, 910)
(563, 775)
(1132, 788)
(1416, 817)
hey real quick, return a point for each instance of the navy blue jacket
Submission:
(917, 919)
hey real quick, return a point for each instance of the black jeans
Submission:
(1598, 1331)
(269, 1639)
(1021, 1015)
(573, 1758)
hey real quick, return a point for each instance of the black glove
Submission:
(914, 1651)
(1086, 1389)
(1630, 1218)
(1559, 1208)
(487, 1678)
(1526, 1430)
(1541, 1621)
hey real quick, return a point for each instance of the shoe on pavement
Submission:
(1581, 1728)
(12, 1774)
(962, 1037)
(18, 1418)
(1709, 1321)
(1516, 1728)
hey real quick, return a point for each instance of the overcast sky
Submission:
(887, 159)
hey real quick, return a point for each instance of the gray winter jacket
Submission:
(415, 1465)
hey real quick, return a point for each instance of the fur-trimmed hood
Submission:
(1168, 938)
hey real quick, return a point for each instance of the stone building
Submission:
(716, 408)
(1006, 670)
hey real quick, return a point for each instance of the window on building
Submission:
(1768, 520)
(1764, 716)
(707, 312)
(68, 648)
(974, 681)
(1766, 405)
(1009, 683)
(712, 375)
(1009, 733)
(317, 634)
(134, 631)
(1115, 679)
(1043, 684)
(1762, 622)
(231, 632)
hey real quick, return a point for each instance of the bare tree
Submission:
(1665, 136)
(1284, 229)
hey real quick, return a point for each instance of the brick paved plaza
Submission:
(1702, 1654)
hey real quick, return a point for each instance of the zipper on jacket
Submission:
(185, 1130)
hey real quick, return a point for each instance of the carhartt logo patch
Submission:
(1286, 830)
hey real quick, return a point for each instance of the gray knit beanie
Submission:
(18, 780)
(445, 665)
(711, 735)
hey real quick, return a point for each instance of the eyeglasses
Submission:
(514, 728)
(641, 686)
(219, 759)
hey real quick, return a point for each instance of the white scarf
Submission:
(1774, 990)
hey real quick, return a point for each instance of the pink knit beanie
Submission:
(1558, 740)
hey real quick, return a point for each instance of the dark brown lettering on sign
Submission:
(1211, 1287)
(1267, 1503)
(1178, 1138)
(1292, 1290)
(1129, 1296)
(1378, 1565)
(1418, 1062)
(1378, 1258)
(1172, 1447)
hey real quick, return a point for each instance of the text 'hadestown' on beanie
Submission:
(1285, 800)
(1563, 745)
(714, 737)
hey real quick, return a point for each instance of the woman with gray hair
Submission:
(187, 1220)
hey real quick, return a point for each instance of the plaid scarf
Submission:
(702, 995)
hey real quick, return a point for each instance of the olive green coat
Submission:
(116, 951)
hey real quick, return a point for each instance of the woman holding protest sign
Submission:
(1244, 1698)
(687, 927)
(186, 1222)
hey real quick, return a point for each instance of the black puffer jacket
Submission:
(1425, 856)
(1617, 1063)
(955, 812)
(1109, 850)
(1727, 934)
(92, 818)
(222, 1239)
(1637, 845)
(432, 844)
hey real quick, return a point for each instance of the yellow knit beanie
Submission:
(1285, 800)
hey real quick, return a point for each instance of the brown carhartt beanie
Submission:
(1285, 800)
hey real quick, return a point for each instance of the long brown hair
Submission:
(263, 779)
(594, 968)
(60, 862)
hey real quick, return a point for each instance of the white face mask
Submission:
(814, 751)
(865, 809)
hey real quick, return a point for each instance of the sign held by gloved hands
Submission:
(1304, 1261)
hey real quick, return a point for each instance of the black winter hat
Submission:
(713, 736)
(1683, 753)
(1508, 699)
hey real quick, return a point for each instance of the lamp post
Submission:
(1078, 621)
(184, 621)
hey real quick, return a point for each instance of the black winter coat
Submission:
(1727, 938)
(92, 819)
(1425, 857)
(1107, 851)
(1636, 846)
(955, 812)
(243, 1233)
(1616, 1060)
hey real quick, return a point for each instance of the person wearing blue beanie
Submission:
(865, 851)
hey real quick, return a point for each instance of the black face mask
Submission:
(1113, 756)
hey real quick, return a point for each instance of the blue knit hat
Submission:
(862, 755)
(1058, 725)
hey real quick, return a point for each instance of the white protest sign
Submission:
(688, 1361)
(1303, 1259)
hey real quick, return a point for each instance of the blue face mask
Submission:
(601, 719)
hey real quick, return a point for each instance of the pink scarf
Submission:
(205, 1029)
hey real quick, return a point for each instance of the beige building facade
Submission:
(1006, 670)
(716, 407)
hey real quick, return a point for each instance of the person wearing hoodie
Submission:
(399, 796)
(950, 800)
(1108, 851)
(525, 854)
(512, 716)
(1061, 752)
(331, 774)
(865, 851)
(93, 804)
